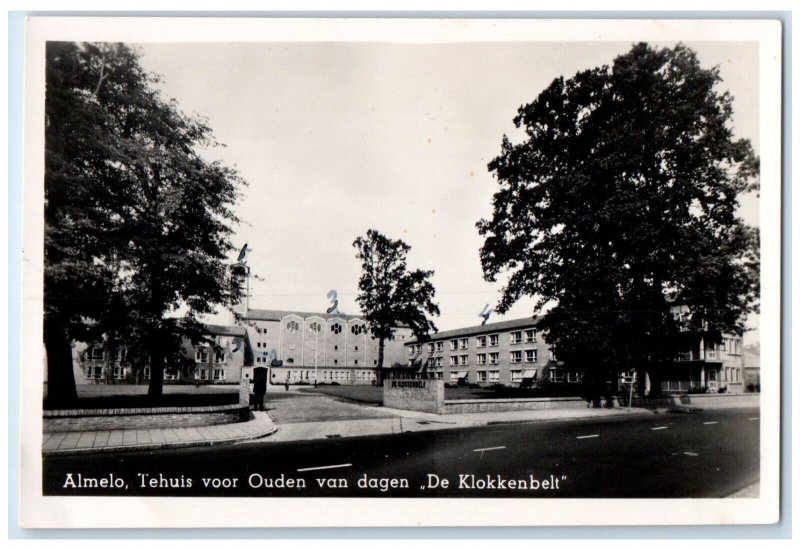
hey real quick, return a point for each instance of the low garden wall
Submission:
(414, 395)
(458, 406)
(77, 420)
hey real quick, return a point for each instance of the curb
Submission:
(165, 445)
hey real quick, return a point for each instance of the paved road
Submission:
(709, 454)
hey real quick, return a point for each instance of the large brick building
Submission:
(304, 347)
(97, 364)
(514, 353)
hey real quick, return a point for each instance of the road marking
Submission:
(487, 449)
(707, 423)
(659, 428)
(687, 453)
(587, 436)
(324, 467)
(753, 418)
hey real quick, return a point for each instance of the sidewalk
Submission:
(403, 421)
(62, 443)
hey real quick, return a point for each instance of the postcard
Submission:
(400, 272)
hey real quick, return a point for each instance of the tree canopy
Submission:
(390, 295)
(137, 222)
(620, 205)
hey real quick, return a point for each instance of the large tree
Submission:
(390, 295)
(620, 206)
(137, 222)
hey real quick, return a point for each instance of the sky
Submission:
(338, 138)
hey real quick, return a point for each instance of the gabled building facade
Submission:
(301, 347)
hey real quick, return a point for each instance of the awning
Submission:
(463, 374)
(528, 373)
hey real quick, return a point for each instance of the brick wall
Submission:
(77, 420)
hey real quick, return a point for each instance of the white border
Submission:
(53, 512)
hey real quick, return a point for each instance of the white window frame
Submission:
(494, 376)
(516, 337)
(453, 361)
(453, 376)
(119, 372)
(480, 342)
(463, 343)
(430, 347)
(481, 359)
(219, 374)
(94, 372)
(516, 357)
(530, 336)
(463, 360)
(481, 376)
(516, 375)
(200, 353)
(494, 340)
(201, 374)
(533, 354)
(494, 358)
(453, 345)
(439, 347)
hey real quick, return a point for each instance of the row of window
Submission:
(325, 375)
(97, 353)
(492, 340)
(315, 327)
(531, 356)
(119, 373)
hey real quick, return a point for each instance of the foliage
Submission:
(620, 205)
(138, 223)
(389, 294)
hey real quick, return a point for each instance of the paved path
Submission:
(160, 438)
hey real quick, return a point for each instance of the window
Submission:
(219, 374)
(94, 373)
(201, 374)
(516, 357)
(170, 375)
(556, 374)
(453, 376)
(453, 360)
(357, 329)
(315, 327)
(530, 336)
(516, 337)
(453, 345)
(439, 346)
(293, 326)
(463, 360)
(481, 375)
(219, 357)
(494, 376)
(531, 356)
(430, 348)
(481, 341)
(355, 362)
(336, 328)
(438, 361)
(120, 354)
(335, 361)
(711, 352)
(146, 373)
(494, 358)
(573, 377)
(516, 376)
(430, 362)
(464, 343)
(96, 353)
(201, 355)
(119, 372)
(356, 348)
(481, 359)
(494, 339)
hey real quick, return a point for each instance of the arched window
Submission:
(315, 327)
(357, 329)
(292, 326)
(336, 328)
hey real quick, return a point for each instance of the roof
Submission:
(488, 328)
(277, 315)
(225, 330)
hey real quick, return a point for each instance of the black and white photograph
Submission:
(377, 272)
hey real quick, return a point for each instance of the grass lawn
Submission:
(105, 396)
(374, 394)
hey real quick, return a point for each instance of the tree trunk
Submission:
(61, 388)
(156, 387)
(379, 372)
